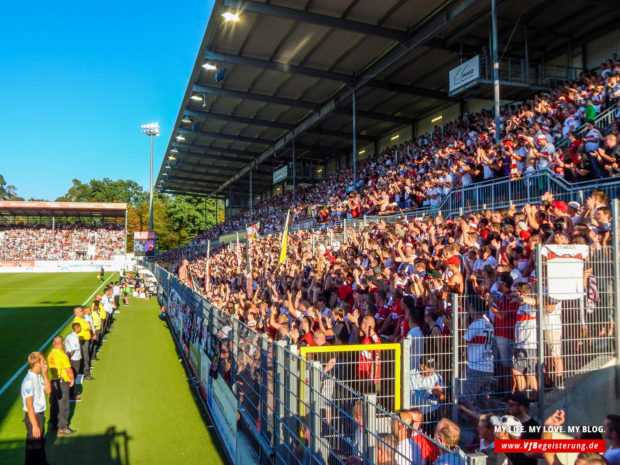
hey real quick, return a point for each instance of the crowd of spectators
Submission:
(387, 281)
(61, 242)
(537, 134)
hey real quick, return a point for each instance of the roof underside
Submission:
(292, 66)
(62, 209)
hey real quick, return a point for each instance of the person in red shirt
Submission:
(369, 361)
(383, 312)
(429, 452)
(504, 321)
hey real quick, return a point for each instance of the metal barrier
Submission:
(294, 411)
(366, 369)
(495, 194)
(601, 121)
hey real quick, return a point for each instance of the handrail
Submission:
(604, 117)
(501, 194)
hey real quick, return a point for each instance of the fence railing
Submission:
(602, 121)
(295, 410)
(559, 322)
(493, 194)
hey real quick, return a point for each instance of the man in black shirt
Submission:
(518, 405)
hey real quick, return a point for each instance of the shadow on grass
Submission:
(110, 448)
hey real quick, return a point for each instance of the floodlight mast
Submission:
(151, 129)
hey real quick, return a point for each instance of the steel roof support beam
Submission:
(375, 116)
(418, 38)
(182, 154)
(270, 124)
(323, 74)
(318, 19)
(205, 148)
(222, 135)
(287, 102)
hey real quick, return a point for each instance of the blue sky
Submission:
(77, 79)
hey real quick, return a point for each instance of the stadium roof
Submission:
(287, 69)
(62, 209)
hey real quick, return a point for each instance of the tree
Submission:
(8, 192)
(105, 190)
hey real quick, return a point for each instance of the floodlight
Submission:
(186, 119)
(179, 137)
(209, 67)
(171, 157)
(394, 137)
(230, 16)
(437, 118)
(151, 129)
(196, 98)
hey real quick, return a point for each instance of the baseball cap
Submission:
(520, 397)
(454, 260)
(574, 205)
(560, 205)
(508, 423)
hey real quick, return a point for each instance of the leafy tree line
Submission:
(176, 218)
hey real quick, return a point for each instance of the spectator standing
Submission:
(518, 406)
(33, 389)
(116, 293)
(405, 446)
(74, 352)
(62, 380)
(85, 337)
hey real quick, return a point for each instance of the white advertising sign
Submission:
(280, 174)
(465, 73)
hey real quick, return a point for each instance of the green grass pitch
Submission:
(139, 410)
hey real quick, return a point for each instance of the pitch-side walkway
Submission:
(139, 410)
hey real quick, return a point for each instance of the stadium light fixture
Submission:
(361, 152)
(179, 137)
(151, 130)
(196, 98)
(229, 16)
(173, 150)
(186, 119)
(394, 137)
(209, 67)
(437, 118)
(171, 157)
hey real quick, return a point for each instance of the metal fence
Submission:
(295, 411)
(366, 369)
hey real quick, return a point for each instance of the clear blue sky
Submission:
(77, 79)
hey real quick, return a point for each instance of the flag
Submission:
(284, 239)
(238, 251)
(252, 232)
(207, 265)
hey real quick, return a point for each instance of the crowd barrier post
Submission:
(405, 345)
(615, 211)
(455, 354)
(292, 368)
(315, 408)
(344, 230)
(540, 343)
(279, 391)
(476, 458)
(264, 385)
(370, 429)
(233, 362)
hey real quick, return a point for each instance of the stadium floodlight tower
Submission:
(151, 129)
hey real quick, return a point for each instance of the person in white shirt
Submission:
(106, 301)
(448, 434)
(33, 389)
(74, 352)
(479, 338)
(552, 335)
(592, 143)
(524, 359)
(401, 429)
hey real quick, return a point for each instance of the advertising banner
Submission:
(465, 73)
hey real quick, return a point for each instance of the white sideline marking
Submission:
(20, 369)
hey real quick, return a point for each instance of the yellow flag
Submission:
(284, 239)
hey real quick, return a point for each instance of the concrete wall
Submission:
(591, 399)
